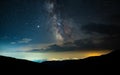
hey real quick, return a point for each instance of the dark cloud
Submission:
(77, 45)
(101, 29)
(96, 36)
(110, 34)
(113, 19)
(99, 36)
(55, 48)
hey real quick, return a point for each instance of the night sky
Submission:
(59, 25)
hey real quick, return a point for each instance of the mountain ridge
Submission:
(100, 64)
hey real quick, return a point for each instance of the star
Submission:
(38, 26)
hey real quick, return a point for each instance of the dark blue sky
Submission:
(27, 21)
(19, 19)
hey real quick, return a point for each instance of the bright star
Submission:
(38, 26)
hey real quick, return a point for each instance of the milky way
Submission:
(61, 27)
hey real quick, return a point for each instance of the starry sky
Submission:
(59, 25)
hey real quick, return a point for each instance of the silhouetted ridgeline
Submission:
(93, 65)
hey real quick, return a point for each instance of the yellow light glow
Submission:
(56, 56)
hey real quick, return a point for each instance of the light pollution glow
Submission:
(55, 56)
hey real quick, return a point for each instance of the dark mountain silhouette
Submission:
(102, 65)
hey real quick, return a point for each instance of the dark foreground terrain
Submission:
(106, 64)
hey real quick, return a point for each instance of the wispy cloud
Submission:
(25, 40)
(22, 41)
(34, 47)
(13, 43)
